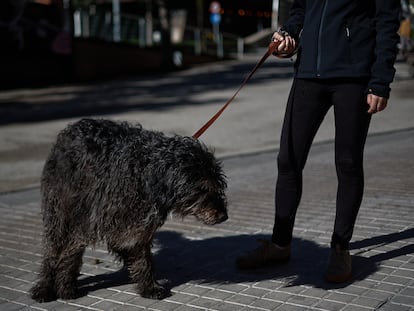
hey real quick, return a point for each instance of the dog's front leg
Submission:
(141, 271)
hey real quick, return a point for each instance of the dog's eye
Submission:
(203, 191)
(208, 190)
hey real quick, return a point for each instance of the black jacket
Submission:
(346, 38)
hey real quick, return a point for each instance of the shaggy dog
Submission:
(116, 183)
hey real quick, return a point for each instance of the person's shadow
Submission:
(364, 266)
(212, 261)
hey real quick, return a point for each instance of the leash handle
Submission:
(270, 50)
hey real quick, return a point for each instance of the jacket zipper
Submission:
(319, 57)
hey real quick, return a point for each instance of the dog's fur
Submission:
(114, 182)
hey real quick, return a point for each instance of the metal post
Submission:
(200, 13)
(240, 48)
(216, 32)
(275, 14)
(116, 20)
(141, 32)
(66, 16)
(85, 24)
(220, 50)
(148, 23)
(77, 24)
(197, 41)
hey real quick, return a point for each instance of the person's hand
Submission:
(287, 44)
(376, 103)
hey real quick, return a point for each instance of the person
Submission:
(346, 51)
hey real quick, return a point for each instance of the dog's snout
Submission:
(223, 217)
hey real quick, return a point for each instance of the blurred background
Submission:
(61, 40)
(72, 40)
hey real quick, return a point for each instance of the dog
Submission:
(113, 182)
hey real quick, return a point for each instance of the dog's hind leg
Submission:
(139, 263)
(67, 270)
(45, 289)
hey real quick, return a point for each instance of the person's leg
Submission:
(307, 106)
(351, 128)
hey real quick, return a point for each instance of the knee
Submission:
(349, 167)
(285, 165)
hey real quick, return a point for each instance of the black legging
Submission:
(308, 103)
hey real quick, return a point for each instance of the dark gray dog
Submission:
(113, 182)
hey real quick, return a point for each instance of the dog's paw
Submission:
(67, 293)
(156, 292)
(43, 293)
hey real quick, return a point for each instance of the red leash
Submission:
(272, 47)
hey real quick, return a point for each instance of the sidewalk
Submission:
(198, 260)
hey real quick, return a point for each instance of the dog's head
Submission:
(200, 183)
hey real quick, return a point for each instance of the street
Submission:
(179, 102)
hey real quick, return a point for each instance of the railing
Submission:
(136, 30)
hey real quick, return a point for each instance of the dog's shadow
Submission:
(212, 261)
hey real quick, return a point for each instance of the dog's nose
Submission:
(223, 217)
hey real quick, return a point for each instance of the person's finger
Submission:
(282, 46)
(285, 46)
(290, 45)
(277, 37)
(290, 42)
(376, 103)
(371, 103)
(382, 104)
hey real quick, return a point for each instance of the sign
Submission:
(215, 7)
(215, 18)
(215, 10)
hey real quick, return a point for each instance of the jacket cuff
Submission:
(284, 30)
(382, 91)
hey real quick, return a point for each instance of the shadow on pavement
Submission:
(211, 261)
(364, 266)
(156, 92)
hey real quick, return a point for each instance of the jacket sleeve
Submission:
(387, 23)
(294, 23)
